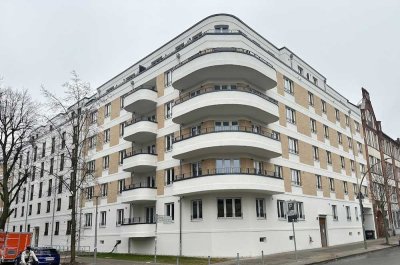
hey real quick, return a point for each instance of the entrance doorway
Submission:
(36, 235)
(322, 229)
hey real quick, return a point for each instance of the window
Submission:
(348, 213)
(355, 188)
(345, 188)
(315, 81)
(278, 171)
(89, 193)
(275, 135)
(106, 136)
(106, 162)
(103, 218)
(329, 157)
(334, 213)
(221, 28)
(197, 210)
(24, 195)
(308, 76)
(43, 149)
(53, 145)
(356, 213)
(92, 141)
(326, 132)
(168, 142)
(310, 99)
(62, 162)
(58, 204)
(337, 114)
(121, 157)
(68, 232)
(168, 109)
(121, 129)
(352, 165)
(290, 115)
(346, 119)
(293, 146)
(15, 212)
(42, 169)
(288, 85)
(260, 208)
(88, 219)
(300, 210)
(35, 154)
(69, 202)
(57, 229)
(107, 110)
(300, 70)
(40, 190)
(51, 165)
(46, 229)
(281, 209)
(342, 162)
(323, 103)
(350, 142)
(196, 169)
(315, 153)
(63, 135)
(50, 187)
(48, 203)
(32, 192)
(229, 207)
(226, 166)
(169, 176)
(93, 117)
(120, 216)
(30, 209)
(296, 177)
(313, 124)
(168, 78)
(359, 147)
(91, 166)
(121, 185)
(227, 126)
(39, 206)
(169, 210)
(319, 182)
(122, 102)
(340, 139)
(104, 189)
(60, 184)
(332, 184)
(357, 126)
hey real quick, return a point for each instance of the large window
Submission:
(227, 166)
(293, 146)
(278, 171)
(197, 210)
(104, 189)
(103, 218)
(229, 207)
(300, 210)
(168, 109)
(226, 126)
(288, 85)
(281, 209)
(170, 210)
(88, 219)
(107, 110)
(169, 176)
(296, 177)
(290, 115)
(120, 216)
(319, 182)
(334, 212)
(106, 136)
(168, 142)
(196, 169)
(260, 208)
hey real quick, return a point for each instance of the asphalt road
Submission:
(389, 256)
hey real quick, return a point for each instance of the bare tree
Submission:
(18, 118)
(77, 112)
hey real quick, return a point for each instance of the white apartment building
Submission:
(209, 135)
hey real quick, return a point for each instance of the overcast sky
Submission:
(353, 44)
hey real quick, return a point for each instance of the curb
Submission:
(349, 256)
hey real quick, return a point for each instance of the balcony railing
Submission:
(136, 120)
(139, 186)
(138, 221)
(153, 88)
(219, 129)
(139, 152)
(202, 91)
(226, 171)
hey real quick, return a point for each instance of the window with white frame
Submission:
(229, 207)
(345, 188)
(335, 213)
(295, 177)
(359, 147)
(355, 188)
(326, 132)
(346, 118)
(103, 218)
(357, 126)
(342, 162)
(300, 210)
(348, 213)
(300, 70)
(169, 176)
(313, 125)
(315, 153)
(167, 78)
(337, 114)
(93, 117)
(288, 85)
(197, 210)
(121, 185)
(315, 80)
(281, 209)
(352, 165)
(88, 219)
(168, 109)
(340, 139)
(170, 210)
(91, 166)
(92, 141)
(332, 184)
(121, 129)
(319, 181)
(122, 102)
(169, 142)
(260, 208)
(350, 142)
(107, 110)
(89, 193)
(329, 157)
(104, 189)
(226, 126)
(278, 171)
(106, 136)
(120, 216)
(293, 146)
(310, 99)
(290, 115)
(106, 162)
(323, 104)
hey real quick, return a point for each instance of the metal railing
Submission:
(138, 221)
(237, 88)
(219, 129)
(139, 186)
(152, 88)
(136, 120)
(139, 152)
(226, 171)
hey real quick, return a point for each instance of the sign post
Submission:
(292, 217)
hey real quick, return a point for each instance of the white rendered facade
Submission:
(212, 105)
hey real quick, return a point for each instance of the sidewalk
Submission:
(305, 257)
(319, 255)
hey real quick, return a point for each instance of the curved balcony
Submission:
(224, 64)
(227, 140)
(140, 130)
(228, 179)
(138, 227)
(238, 101)
(140, 161)
(141, 100)
(135, 193)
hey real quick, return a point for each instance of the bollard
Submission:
(237, 259)
(209, 260)
(262, 256)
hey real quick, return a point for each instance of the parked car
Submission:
(46, 256)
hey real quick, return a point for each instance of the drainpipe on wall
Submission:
(180, 226)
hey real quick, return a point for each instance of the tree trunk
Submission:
(385, 224)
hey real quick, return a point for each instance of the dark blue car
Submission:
(46, 256)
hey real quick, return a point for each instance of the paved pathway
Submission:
(390, 256)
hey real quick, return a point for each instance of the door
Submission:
(36, 235)
(150, 215)
(322, 229)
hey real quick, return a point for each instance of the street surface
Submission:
(389, 256)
